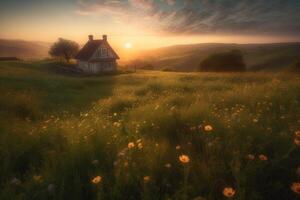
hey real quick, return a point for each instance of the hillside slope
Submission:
(23, 49)
(257, 56)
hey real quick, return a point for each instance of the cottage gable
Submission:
(103, 52)
(92, 49)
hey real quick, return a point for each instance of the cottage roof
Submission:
(90, 47)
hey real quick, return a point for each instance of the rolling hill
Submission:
(23, 49)
(257, 56)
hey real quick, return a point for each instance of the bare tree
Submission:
(63, 48)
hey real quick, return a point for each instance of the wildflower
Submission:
(168, 165)
(228, 192)
(297, 133)
(263, 157)
(250, 157)
(139, 140)
(15, 181)
(96, 179)
(140, 145)
(193, 128)
(297, 141)
(208, 128)
(178, 147)
(130, 145)
(115, 114)
(37, 178)
(117, 124)
(146, 179)
(95, 162)
(295, 187)
(184, 159)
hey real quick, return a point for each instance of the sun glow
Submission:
(128, 45)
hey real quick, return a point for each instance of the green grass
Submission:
(70, 129)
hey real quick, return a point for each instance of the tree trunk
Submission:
(67, 58)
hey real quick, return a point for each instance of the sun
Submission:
(128, 45)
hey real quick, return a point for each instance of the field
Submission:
(148, 135)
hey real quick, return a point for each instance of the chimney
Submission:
(104, 37)
(91, 38)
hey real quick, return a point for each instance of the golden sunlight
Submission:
(128, 45)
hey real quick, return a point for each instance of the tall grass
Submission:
(131, 129)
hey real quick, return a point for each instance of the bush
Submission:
(295, 67)
(224, 62)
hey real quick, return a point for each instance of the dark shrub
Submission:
(224, 62)
(295, 67)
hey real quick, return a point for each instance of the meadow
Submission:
(148, 135)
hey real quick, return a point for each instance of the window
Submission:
(103, 51)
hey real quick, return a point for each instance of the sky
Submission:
(146, 24)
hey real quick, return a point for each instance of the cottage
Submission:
(97, 56)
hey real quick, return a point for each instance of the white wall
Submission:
(97, 67)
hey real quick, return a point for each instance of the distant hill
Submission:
(257, 56)
(23, 49)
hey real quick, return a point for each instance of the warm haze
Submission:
(147, 24)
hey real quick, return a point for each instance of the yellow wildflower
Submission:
(295, 187)
(228, 192)
(146, 179)
(251, 157)
(263, 157)
(297, 141)
(140, 145)
(168, 165)
(193, 128)
(184, 159)
(130, 145)
(208, 128)
(96, 179)
(37, 178)
(139, 140)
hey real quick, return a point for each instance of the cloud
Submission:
(204, 16)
